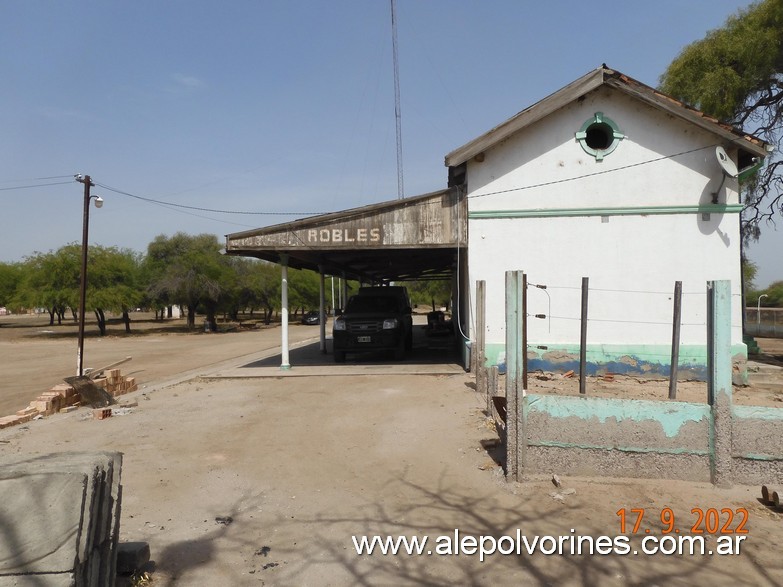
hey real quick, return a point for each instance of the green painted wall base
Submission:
(646, 360)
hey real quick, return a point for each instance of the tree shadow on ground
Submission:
(437, 512)
(177, 561)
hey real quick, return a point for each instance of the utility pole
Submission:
(85, 179)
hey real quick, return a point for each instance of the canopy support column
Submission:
(284, 364)
(322, 309)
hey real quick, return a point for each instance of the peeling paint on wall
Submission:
(672, 417)
(640, 360)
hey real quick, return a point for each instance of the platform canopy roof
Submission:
(412, 238)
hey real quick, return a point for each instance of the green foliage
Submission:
(183, 269)
(749, 271)
(773, 296)
(112, 279)
(112, 283)
(11, 274)
(51, 280)
(187, 270)
(304, 289)
(742, 59)
(430, 293)
(250, 285)
(736, 74)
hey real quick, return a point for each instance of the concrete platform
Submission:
(431, 355)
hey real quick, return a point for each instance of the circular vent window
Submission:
(599, 136)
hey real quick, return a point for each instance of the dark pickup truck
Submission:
(376, 319)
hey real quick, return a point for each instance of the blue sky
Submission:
(284, 106)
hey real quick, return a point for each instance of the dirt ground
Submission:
(266, 481)
(35, 356)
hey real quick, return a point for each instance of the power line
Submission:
(38, 185)
(180, 211)
(576, 178)
(200, 209)
(602, 172)
(26, 179)
(251, 213)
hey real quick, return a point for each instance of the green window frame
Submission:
(599, 136)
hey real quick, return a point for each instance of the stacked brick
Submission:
(115, 384)
(64, 398)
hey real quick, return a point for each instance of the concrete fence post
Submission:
(492, 389)
(516, 442)
(583, 338)
(676, 320)
(719, 390)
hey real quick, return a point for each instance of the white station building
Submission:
(606, 179)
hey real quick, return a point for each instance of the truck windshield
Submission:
(367, 304)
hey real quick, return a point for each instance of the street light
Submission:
(85, 179)
(758, 314)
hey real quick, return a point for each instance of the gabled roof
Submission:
(604, 76)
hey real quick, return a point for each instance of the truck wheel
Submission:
(339, 356)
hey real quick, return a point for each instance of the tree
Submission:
(187, 270)
(112, 280)
(304, 289)
(11, 274)
(736, 74)
(775, 293)
(265, 282)
(749, 271)
(430, 293)
(256, 285)
(51, 280)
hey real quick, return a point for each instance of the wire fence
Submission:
(643, 317)
(646, 330)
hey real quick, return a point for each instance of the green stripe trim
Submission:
(639, 211)
(633, 449)
(758, 457)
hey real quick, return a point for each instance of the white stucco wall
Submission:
(548, 152)
(590, 227)
(632, 263)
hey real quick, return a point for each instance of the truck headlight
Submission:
(390, 324)
(339, 324)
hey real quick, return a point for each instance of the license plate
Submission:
(364, 339)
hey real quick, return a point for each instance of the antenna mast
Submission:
(397, 110)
